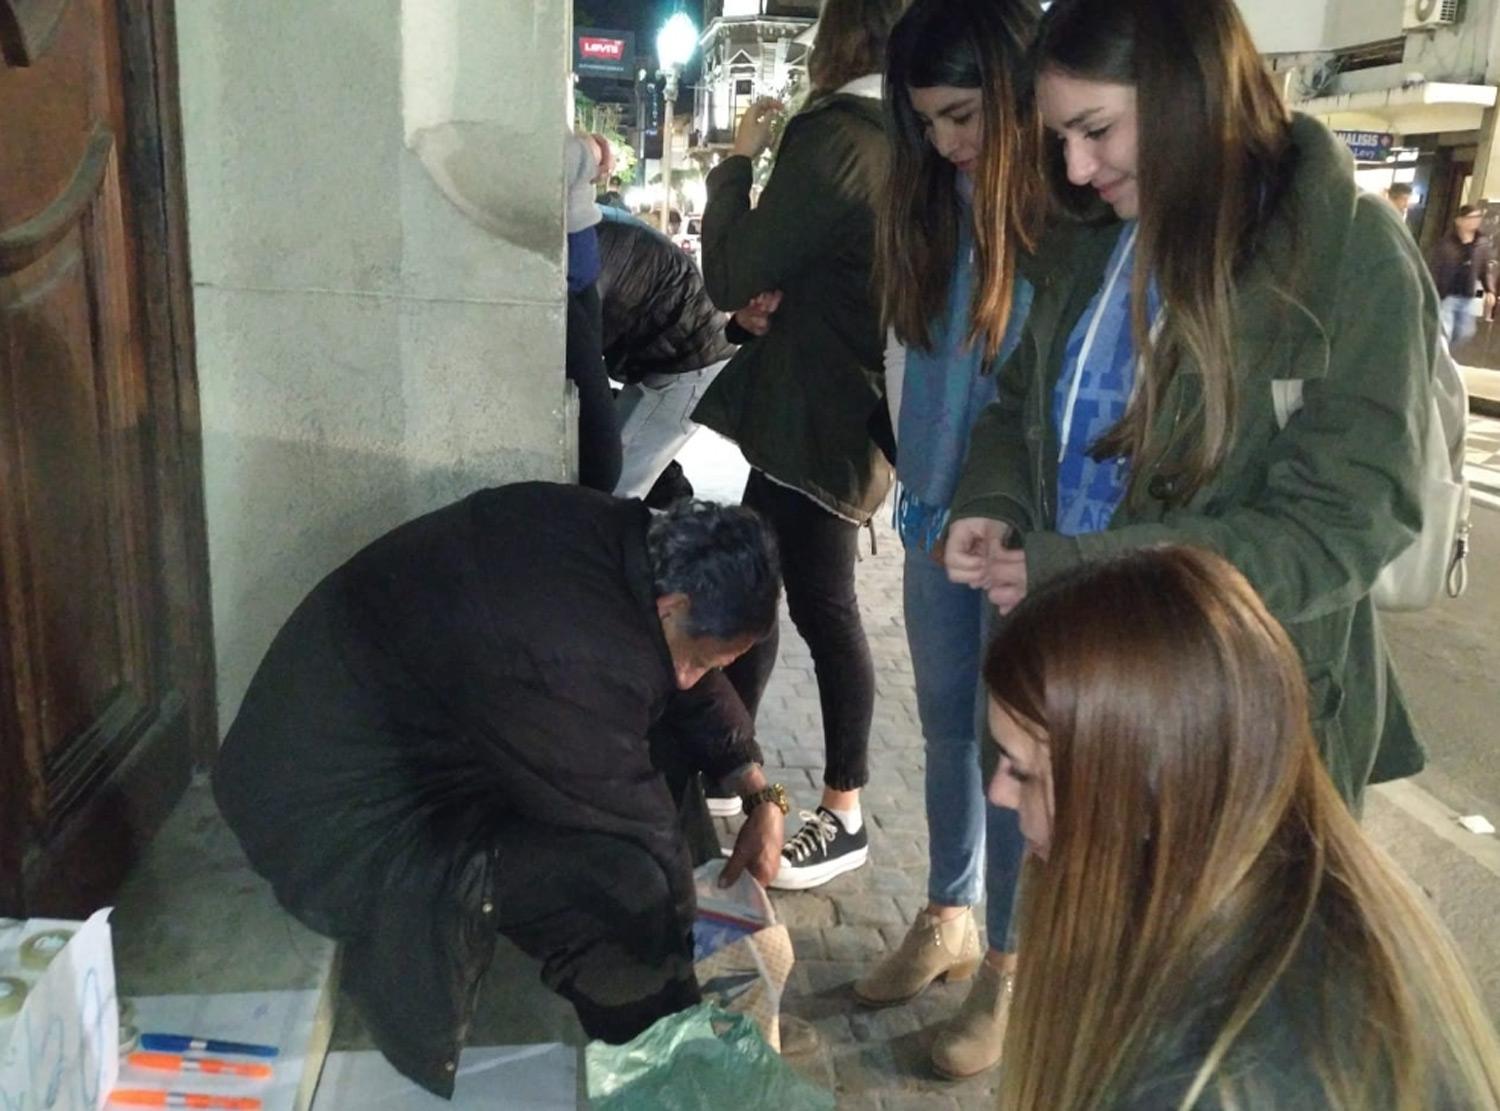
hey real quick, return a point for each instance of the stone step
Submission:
(192, 918)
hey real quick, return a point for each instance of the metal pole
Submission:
(666, 151)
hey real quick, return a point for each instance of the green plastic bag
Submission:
(701, 1058)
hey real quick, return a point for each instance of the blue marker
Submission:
(186, 1043)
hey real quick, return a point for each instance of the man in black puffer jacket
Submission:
(486, 722)
(663, 338)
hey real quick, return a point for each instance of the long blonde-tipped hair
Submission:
(978, 44)
(1197, 845)
(1214, 136)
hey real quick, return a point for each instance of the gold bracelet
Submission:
(775, 793)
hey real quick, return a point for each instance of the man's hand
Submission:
(755, 317)
(754, 133)
(758, 847)
(606, 154)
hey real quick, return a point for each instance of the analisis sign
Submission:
(604, 53)
(1369, 146)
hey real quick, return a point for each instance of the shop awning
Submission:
(1418, 109)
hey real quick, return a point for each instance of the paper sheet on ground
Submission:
(517, 1078)
(60, 1051)
(284, 1019)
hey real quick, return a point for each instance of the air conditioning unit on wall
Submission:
(1420, 15)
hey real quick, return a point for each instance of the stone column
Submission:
(375, 206)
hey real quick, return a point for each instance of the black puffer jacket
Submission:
(496, 661)
(658, 318)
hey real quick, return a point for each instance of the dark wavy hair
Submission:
(965, 44)
(724, 558)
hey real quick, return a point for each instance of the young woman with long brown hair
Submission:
(798, 396)
(1206, 925)
(959, 209)
(1239, 259)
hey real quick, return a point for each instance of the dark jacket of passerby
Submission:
(658, 318)
(798, 400)
(1336, 298)
(483, 672)
(1460, 269)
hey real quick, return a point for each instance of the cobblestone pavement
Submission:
(869, 1058)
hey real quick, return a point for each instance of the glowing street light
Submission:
(675, 44)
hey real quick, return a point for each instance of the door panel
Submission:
(96, 742)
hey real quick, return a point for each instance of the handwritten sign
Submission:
(60, 1050)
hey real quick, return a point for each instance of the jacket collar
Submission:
(638, 577)
(871, 86)
(1296, 264)
(1298, 256)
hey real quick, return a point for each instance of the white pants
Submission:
(655, 416)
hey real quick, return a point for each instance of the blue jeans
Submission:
(1458, 320)
(973, 847)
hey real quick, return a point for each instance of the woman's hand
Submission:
(975, 555)
(755, 317)
(1006, 584)
(754, 133)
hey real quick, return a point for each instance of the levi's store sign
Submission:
(601, 50)
(604, 53)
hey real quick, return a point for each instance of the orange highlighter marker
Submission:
(176, 1062)
(147, 1098)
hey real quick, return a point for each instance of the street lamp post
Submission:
(675, 44)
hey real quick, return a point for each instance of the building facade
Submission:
(750, 48)
(1412, 85)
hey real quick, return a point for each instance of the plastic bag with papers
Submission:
(741, 954)
(701, 1057)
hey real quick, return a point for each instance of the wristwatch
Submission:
(774, 793)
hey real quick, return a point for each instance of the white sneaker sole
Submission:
(725, 807)
(800, 879)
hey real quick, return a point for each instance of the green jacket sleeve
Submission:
(1342, 491)
(816, 182)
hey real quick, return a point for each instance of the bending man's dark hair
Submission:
(724, 558)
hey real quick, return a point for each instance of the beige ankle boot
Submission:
(930, 949)
(971, 1042)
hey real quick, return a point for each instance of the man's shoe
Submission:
(930, 951)
(972, 1041)
(820, 850)
(725, 805)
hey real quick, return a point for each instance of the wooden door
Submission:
(105, 655)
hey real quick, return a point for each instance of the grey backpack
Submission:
(1437, 559)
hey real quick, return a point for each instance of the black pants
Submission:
(599, 454)
(603, 917)
(817, 566)
(602, 914)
